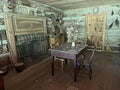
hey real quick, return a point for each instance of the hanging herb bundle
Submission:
(117, 22)
(112, 13)
(110, 26)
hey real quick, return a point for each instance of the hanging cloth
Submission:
(110, 26)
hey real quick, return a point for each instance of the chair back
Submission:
(92, 54)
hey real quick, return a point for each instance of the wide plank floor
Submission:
(106, 76)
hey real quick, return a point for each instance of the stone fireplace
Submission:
(27, 36)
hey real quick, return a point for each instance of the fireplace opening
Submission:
(32, 48)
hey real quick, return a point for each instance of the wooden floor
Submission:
(106, 76)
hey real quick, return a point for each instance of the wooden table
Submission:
(68, 52)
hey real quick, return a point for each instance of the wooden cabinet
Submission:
(22, 30)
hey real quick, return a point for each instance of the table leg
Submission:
(75, 70)
(52, 65)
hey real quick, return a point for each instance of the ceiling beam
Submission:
(73, 4)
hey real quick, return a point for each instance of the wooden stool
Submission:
(19, 67)
(62, 63)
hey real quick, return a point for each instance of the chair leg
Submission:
(90, 75)
(90, 69)
(78, 67)
(83, 66)
(62, 62)
(90, 72)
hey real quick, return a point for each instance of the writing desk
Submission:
(68, 52)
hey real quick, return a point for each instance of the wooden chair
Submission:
(86, 62)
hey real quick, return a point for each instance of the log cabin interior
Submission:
(31, 30)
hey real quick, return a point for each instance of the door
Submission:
(95, 30)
